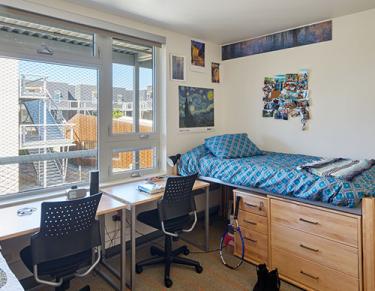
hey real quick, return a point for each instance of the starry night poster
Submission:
(196, 107)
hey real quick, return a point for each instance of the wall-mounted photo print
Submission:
(177, 67)
(287, 95)
(197, 53)
(196, 108)
(215, 72)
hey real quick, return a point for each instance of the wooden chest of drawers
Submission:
(315, 248)
(253, 219)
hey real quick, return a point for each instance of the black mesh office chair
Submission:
(176, 213)
(65, 244)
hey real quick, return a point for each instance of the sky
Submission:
(122, 74)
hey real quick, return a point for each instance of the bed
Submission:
(277, 173)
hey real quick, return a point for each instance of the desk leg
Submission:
(207, 220)
(133, 248)
(123, 250)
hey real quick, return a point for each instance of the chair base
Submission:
(167, 258)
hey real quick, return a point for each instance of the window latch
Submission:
(135, 175)
(44, 50)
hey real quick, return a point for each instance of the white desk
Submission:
(8, 280)
(130, 195)
(13, 225)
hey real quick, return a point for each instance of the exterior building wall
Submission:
(9, 114)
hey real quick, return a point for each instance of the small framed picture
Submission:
(177, 64)
(198, 53)
(215, 72)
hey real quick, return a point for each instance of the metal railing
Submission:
(46, 135)
(32, 86)
(76, 104)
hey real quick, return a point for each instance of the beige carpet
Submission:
(215, 276)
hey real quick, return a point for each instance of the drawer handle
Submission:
(309, 275)
(250, 239)
(309, 221)
(260, 206)
(250, 222)
(308, 248)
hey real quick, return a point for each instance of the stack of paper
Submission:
(151, 188)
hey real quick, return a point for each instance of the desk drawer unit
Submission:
(253, 219)
(315, 248)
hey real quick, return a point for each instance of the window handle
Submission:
(144, 136)
(44, 50)
(135, 175)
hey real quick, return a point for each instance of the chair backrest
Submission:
(66, 228)
(178, 198)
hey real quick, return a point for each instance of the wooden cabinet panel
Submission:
(311, 275)
(254, 204)
(323, 251)
(336, 226)
(256, 245)
(253, 222)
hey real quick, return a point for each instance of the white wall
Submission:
(341, 87)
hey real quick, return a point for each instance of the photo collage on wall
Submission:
(287, 96)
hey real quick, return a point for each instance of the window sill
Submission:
(30, 197)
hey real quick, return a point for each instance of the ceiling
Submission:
(223, 21)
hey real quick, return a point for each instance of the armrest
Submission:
(194, 223)
(50, 283)
(78, 274)
(184, 230)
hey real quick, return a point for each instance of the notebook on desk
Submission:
(151, 187)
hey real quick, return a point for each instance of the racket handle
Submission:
(237, 207)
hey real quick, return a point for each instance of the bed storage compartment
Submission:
(314, 247)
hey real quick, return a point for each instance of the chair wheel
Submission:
(199, 269)
(186, 252)
(168, 283)
(138, 269)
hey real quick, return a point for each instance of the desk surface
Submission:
(129, 193)
(13, 225)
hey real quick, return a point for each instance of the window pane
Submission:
(49, 125)
(123, 98)
(132, 77)
(44, 38)
(146, 100)
(125, 161)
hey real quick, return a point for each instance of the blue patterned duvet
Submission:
(277, 173)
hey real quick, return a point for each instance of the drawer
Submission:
(253, 222)
(320, 250)
(311, 274)
(254, 204)
(256, 245)
(332, 225)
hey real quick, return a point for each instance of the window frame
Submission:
(101, 60)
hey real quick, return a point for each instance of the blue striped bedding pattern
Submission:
(277, 173)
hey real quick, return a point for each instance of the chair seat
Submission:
(59, 267)
(152, 218)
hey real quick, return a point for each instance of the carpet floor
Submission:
(215, 275)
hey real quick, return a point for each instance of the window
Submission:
(52, 80)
